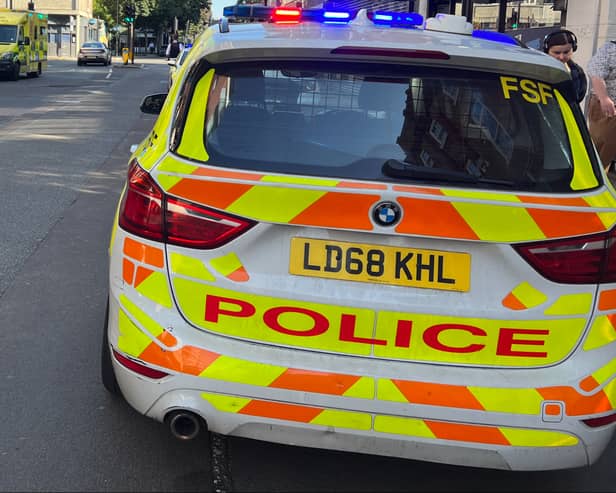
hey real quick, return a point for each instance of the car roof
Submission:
(314, 40)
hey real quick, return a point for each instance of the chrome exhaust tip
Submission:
(184, 425)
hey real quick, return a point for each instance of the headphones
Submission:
(572, 39)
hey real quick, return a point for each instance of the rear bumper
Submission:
(326, 401)
(220, 410)
(92, 59)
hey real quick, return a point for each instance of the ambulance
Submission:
(23, 43)
(368, 231)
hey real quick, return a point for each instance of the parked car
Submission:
(94, 52)
(386, 235)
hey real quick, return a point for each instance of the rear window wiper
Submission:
(408, 171)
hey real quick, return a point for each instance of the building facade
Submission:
(70, 23)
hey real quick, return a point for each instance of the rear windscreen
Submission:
(389, 124)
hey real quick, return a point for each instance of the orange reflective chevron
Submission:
(467, 433)
(577, 404)
(217, 194)
(556, 223)
(318, 382)
(320, 212)
(128, 271)
(280, 410)
(438, 394)
(144, 253)
(433, 218)
(607, 299)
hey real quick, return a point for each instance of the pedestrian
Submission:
(174, 47)
(601, 111)
(561, 44)
(151, 47)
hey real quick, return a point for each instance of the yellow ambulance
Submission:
(23, 43)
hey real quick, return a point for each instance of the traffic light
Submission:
(129, 13)
(514, 19)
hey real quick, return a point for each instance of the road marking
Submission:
(109, 73)
(67, 102)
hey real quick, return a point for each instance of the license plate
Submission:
(450, 271)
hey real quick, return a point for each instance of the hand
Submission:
(607, 107)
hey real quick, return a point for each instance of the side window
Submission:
(20, 36)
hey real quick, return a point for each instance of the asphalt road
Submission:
(64, 144)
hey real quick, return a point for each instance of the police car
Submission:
(369, 232)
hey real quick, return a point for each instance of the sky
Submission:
(217, 6)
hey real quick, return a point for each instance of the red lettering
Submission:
(270, 317)
(213, 308)
(506, 339)
(431, 335)
(347, 332)
(403, 333)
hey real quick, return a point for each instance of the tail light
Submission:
(583, 260)
(148, 212)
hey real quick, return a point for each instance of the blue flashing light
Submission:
(396, 19)
(339, 16)
(496, 36)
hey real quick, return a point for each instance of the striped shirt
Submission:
(603, 65)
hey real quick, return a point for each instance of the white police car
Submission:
(362, 231)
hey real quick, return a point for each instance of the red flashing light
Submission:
(286, 15)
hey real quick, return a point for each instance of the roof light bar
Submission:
(396, 19)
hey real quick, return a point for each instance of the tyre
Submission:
(15, 72)
(107, 374)
(79, 64)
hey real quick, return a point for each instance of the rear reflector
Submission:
(583, 260)
(138, 367)
(602, 421)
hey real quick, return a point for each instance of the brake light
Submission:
(584, 260)
(148, 212)
(393, 52)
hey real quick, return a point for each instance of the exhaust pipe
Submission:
(184, 425)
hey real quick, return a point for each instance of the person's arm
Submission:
(168, 50)
(600, 90)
